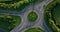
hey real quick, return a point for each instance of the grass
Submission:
(17, 5)
(34, 30)
(8, 22)
(56, 13)
(52, 16)
(32, 16)
(9, 1)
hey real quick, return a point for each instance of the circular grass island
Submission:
(52, 15)
(9, 22)
(32, 16)
(34, 30)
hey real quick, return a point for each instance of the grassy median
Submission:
(8, 22)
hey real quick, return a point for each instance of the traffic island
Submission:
(9, 22)
(32, 16)
(34, 30)
(52, 15)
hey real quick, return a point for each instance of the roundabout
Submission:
(26, 15)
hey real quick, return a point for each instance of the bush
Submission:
(49, 19)
(17, 5)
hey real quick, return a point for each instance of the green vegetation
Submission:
(32, 16)
(17, 5)
(52, 16)
(56, 14)
(9, 1)
(34, 30)
(8, 22)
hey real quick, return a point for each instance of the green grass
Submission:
(32, 16)
(9, 22)
(34, 30)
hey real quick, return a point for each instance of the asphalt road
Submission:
(38, 8)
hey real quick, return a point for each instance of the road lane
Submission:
(38, 7)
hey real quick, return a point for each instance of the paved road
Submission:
(38, 8)
(39, 11)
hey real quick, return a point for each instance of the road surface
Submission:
(38, 8)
